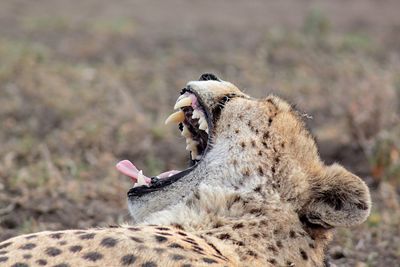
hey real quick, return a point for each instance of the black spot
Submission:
(62, 265)
(162, 228)
(159, 250)
(242, 144)
(27, 256)
(108, 242)
(272, 248)
(52, 251)
(224, 236)
(252, 253)
(264, 144)
(191, 241)
(260, 153)
(113, 226)
(238, 243)
(209, 261)
(28, 246)
(198, 248)
(3, 259)
(260, 171)
(87, 236)
(160, 239)
(186, 265)
(62, 243)
(303, 254)
(266, 135)
(138, 240)
(215, 248)
(182, 233)
(135, 229)
(269, 121)
(311, 245)
(272, 261)
(30, 236)
(237, 226)
(218, 225)
(256, 211)
(256, 235)
(128, 259)
(41, 262)
(237, 131)
(56, 235)
(149, 264)
(198, 251)
(253, 143)
(177, 226)
(279, 244)
(177, 257)
(273, 169)
(75, 249)
(92, 256)
(292, 234)
(175, 245)
(19, 264)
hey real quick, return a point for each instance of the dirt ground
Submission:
(84, 84)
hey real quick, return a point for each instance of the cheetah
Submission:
(256, 193)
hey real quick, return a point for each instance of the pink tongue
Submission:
(126, 167)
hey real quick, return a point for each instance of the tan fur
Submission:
(261, 196)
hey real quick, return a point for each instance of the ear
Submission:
(337, 198)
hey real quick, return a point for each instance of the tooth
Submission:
(207, 130)
(140, 180)
(194, 154)
(203, 125)
(184, 102)
(201, 119)
(198, 157)
(181, 97)
(185, 132)
(176, 117)
(196, 114)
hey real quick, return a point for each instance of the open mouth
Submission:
(195, 125)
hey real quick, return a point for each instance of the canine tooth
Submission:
(185, 132)
(184, 102)
(182, 96)
(203, 125)
(140, 180)
(176, 117)
(207, 130)
(194, 154)
(201, 120)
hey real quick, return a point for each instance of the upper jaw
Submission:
(189, 128)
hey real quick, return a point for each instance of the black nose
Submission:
(209, 77)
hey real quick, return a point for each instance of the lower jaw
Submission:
(159, 185)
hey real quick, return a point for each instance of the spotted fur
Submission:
(260, 196)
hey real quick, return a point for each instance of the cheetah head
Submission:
(242, 145)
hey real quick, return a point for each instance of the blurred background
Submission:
(84, 84)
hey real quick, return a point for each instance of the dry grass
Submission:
(79, 94)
